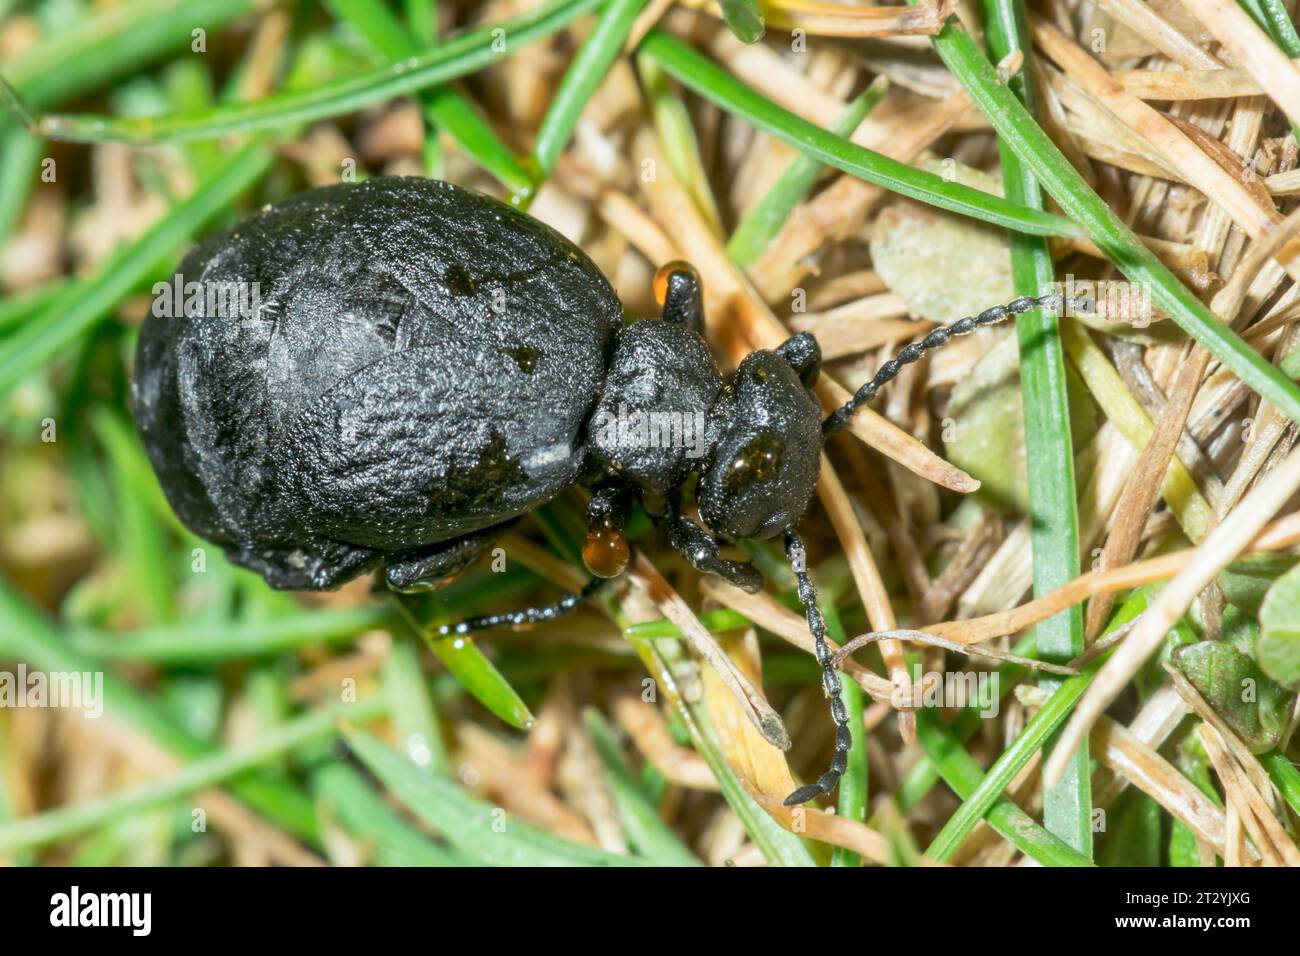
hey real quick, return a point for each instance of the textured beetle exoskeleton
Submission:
(380, 402)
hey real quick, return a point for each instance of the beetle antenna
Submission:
(798, 558)
(939, 337)
(531, 615)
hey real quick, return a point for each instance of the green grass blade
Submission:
(1035, 735)
(1017, 129)
(1049, 442)
(963, 774)
(346, 797)
(585, 73)
(778, 845)
(766, 217)
(65, 822)
(717, 622)
(422, 614)
(411, 706)
(475, 135)
(1004, 769)
(18, 309)
(923, 775)
(475, 828)
(648, 834)
(81, 306)
(422, 18)
(744, 19)
(462, 55)
(26, 635)
(193, 643)
(675, 131)
(20, 154)
(446, 106)
(1285, 777)
(108, 44)
(1281, 27)
(1271, 16)
(141, 540)
(378, 26)
(189, 86)
(723, 90)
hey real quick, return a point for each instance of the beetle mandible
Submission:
(427, 364)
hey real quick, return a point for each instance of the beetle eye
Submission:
(758, 460)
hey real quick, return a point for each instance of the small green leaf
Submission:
(1252, 704)
(1132, 834)
(985, 436)
(1245, 582)
(1278, 646)
(911, 243)
(984, 430)
(1237, 628)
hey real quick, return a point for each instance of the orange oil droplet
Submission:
(605, 552)
(665, 272)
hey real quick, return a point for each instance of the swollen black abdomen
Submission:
(420, 365)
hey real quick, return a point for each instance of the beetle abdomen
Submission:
(420, 364)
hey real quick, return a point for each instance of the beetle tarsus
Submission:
(839, 418)
(803, 795)
(795, 553)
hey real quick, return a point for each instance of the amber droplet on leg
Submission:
(605, 552)
(665, 273)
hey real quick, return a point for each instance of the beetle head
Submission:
(764, 466)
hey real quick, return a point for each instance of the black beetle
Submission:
(425, 364)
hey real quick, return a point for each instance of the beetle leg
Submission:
(431, 567)
(678, 290)
(701, 549)
(320, 566)
(605, 550)
(530, 615)
(827, 782)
